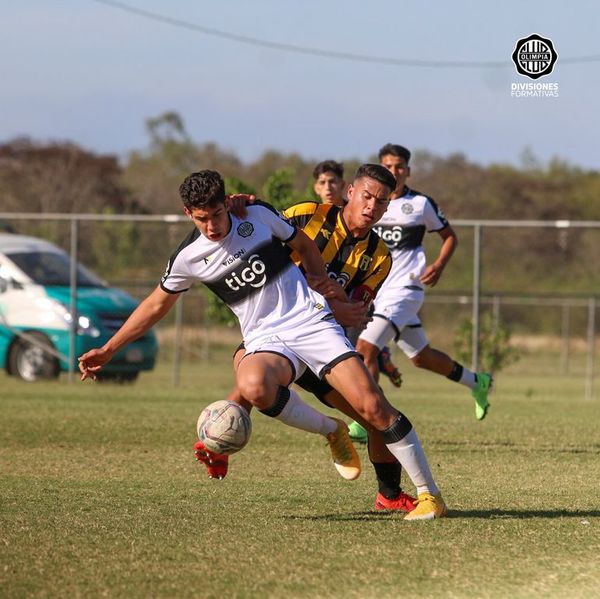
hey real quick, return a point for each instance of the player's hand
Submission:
(92, 362)
(351, 314)
(432, 274)
(327, 287)
(236, 203)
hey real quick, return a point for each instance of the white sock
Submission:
(300, 415)
(468, 378)
(409, 452)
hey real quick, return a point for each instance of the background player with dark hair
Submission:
(329, 182)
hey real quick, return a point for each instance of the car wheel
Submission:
(30, 361)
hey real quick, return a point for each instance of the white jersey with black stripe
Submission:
(251, 271)
(402, 228)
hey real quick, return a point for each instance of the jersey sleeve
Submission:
(280, 227)
(300, 214)
(434, 217)
(177, 277)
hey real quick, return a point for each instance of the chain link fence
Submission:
(549, 303)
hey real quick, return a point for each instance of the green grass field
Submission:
(100, 496)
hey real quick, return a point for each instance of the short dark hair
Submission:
(202, 189)
(395, 150)
(377, 172)
(329, 166)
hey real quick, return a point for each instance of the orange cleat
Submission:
(402, 503)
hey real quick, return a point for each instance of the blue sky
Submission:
(91, 73)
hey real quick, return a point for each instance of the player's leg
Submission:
(415, 345)
(351, 378)
(377, 334)
(387, 468)
(217, 465)
(388, 368)
(263, 379)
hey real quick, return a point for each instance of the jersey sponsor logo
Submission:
(407, 208)
(391, 236)
(253, 275)
(245, 229)
(231, 259)
(343, 278)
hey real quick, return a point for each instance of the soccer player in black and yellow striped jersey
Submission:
(354, 255)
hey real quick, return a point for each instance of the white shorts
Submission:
(319, 345)
(398, 320)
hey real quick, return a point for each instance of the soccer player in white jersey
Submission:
(410, 215)
(286, 325)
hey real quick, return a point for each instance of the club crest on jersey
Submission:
(245, 229)
(407, 208)
(253, 275)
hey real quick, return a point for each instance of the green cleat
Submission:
(480, 394)
(357, 433)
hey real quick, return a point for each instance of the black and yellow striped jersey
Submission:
(352, 261)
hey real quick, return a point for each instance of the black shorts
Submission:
(310, 382)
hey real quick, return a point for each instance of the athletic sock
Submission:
(402, 440)
(291, 410)
(463, 376)
(388, 478)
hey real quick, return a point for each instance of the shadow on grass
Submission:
(593, 448)
(372, 516)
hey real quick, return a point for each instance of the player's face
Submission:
(368, 200)
(329, 187)
(398, 167)
(213, 223)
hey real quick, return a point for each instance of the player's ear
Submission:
(187, 212)
(350, 191)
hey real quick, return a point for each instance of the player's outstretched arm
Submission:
(313, 264)
(143, 318)
(434, 271)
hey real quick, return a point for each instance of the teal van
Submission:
(35, 319)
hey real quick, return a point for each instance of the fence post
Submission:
(73, 298)
(178, 341)
(476, 296)
(591, 335)
(566, 339)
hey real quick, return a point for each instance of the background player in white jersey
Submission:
(285, 325)
(411, 215)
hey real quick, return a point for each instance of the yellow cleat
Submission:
(345, 458)
(428, 507)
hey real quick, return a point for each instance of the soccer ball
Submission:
(224, 427)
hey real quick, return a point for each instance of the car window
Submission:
(52, 268)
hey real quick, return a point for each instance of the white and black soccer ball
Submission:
(224, 427)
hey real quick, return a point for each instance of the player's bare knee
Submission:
(376, 410)
(255, 389)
